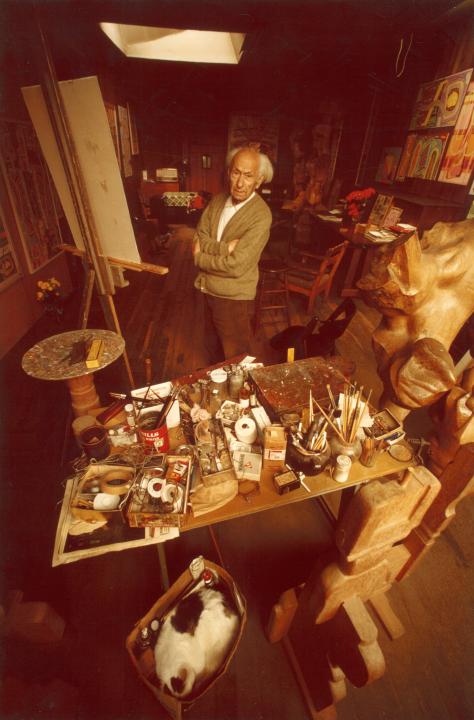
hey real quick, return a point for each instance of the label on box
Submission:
(273, 454)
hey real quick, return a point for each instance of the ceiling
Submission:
(294, 48)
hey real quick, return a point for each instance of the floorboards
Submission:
(88, 675)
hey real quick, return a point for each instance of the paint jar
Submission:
(236, 380)
(218, 382)
(94, 442)
(342, 468)
(150, 434)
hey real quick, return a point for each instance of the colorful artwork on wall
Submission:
(260, 131)
(405, 159)
(422, 156)
(8, 262)
(387, 169)
(458, 163)
(439, 102)
(31, 192)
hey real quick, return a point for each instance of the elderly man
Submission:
(229, 240)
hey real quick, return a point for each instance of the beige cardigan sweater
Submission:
(232, 275)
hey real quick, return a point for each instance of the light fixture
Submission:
(154, 43)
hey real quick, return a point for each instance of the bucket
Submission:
(156, 437)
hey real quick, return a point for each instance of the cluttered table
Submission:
(203, 451)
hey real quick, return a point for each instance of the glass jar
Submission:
(339, 447)
(236, 380)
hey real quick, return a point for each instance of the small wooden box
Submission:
(214, 472)
(160, 495)
(114, 481)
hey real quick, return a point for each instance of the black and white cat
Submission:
(194, 640)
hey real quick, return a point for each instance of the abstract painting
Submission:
(422, 156)
(388, 165)
(439, 102)
(458, 163)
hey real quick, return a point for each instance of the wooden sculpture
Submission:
(327, 620)
(425, 292)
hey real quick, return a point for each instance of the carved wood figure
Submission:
(425, 292)
(327, 626)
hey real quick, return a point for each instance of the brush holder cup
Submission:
(352, 450)
(307, 461)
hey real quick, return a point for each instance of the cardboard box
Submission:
(144, 661)
(274, 447)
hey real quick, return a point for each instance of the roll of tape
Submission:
(155, 487)
(246, 430)
(116, 482)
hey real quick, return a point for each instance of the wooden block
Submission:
(387, 617)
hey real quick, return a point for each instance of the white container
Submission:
(342, 468)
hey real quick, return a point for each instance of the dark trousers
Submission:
(226, 328)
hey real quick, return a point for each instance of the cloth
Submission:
(232, 275)
(228, 212)
(226, 328)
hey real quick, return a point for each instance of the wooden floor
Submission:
(88, 675)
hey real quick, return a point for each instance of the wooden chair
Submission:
(313, 275)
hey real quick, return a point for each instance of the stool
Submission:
(272, 292)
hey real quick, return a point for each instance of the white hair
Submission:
(265, 167)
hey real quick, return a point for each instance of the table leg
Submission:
(83, 394)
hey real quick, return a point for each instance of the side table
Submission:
(50, 360)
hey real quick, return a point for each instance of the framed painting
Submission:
(439, 102)
(406, 156)
(388, 165)
(8, 262)
(427, 155)
(458, 162)
(259, 131)
(31, 193)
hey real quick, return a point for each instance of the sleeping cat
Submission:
(194, 640)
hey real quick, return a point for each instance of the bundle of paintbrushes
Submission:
(348, 413)
(314, 438)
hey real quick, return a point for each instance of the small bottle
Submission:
(253, 396)
(143, 639)
(209, 578)
(130, 413)
(215, 402)
(244, 397)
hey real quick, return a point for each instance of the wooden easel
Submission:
(97, 266)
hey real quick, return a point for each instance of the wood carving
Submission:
(425, 292)
(326, 629)
(454, 422)
(457, 482)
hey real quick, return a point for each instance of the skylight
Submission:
(154, 43)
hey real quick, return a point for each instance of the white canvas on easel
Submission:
(87, 119)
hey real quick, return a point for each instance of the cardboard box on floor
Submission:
(145, 662)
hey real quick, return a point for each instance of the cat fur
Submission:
(194, 641)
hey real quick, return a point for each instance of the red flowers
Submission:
(357, 200)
